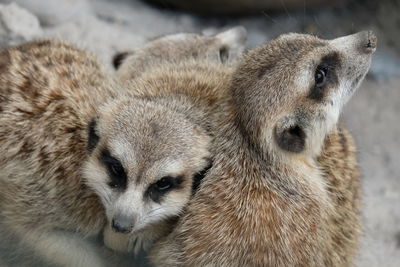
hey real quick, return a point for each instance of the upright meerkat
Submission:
(78, 151)
(269, 200)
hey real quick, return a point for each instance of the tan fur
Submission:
(43, 136)
(170, 66)
(338, 163)
(259, 206)
(224, 47)
(337, 160)
(53, 189)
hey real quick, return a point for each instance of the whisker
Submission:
(268, 16)
(284, 7)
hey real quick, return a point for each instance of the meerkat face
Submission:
(294, 87)
(224, 47)
(144, 158)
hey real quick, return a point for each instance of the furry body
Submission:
(43, 136)
(81, 151)
(208, 81)
(257, 209)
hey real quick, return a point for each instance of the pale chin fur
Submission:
(131, 204)
(321, 128)
(161, 212)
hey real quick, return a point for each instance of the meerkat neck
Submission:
(289, 170)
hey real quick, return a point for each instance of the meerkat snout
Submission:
(122, 224)
(372, 42)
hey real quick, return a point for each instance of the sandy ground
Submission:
(105, 27)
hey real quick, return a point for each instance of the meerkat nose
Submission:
(370, 44)
(122, 224)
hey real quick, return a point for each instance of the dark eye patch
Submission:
(157, 190)
(115, 170)
(325, 76)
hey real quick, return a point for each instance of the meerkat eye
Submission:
(115, 170)
(164, 183)
(157, 190)
(320, 76)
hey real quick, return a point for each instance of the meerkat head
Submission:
(290, 91)
(224, 47)
(145, 159)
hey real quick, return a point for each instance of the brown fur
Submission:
(31, 106)
(238, 219)
(338, 163)
(224, 47)
(43, 136)
(50, 182)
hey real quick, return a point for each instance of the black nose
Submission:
(371, 42)
(122, 224)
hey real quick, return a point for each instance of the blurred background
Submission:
(373, 115)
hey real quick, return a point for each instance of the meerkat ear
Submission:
(234, 36)
(119, 58)
(290, 136)
(93, 137)
(233, 42)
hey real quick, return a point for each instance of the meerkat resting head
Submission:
(143, 157)
(224, 47)
(290, 91)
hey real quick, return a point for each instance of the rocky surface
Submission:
(106, 26)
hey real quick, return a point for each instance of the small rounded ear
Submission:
(119, 58)
(233, 37)
(93, 137)
(233, 42)
(290, 137)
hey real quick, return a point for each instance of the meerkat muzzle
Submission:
(358, 44)
(122, 224)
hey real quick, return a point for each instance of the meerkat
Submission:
(267, 201)
(193, 65)
(208, 80)
(148, 70)
(80, 153)
(224, 47)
